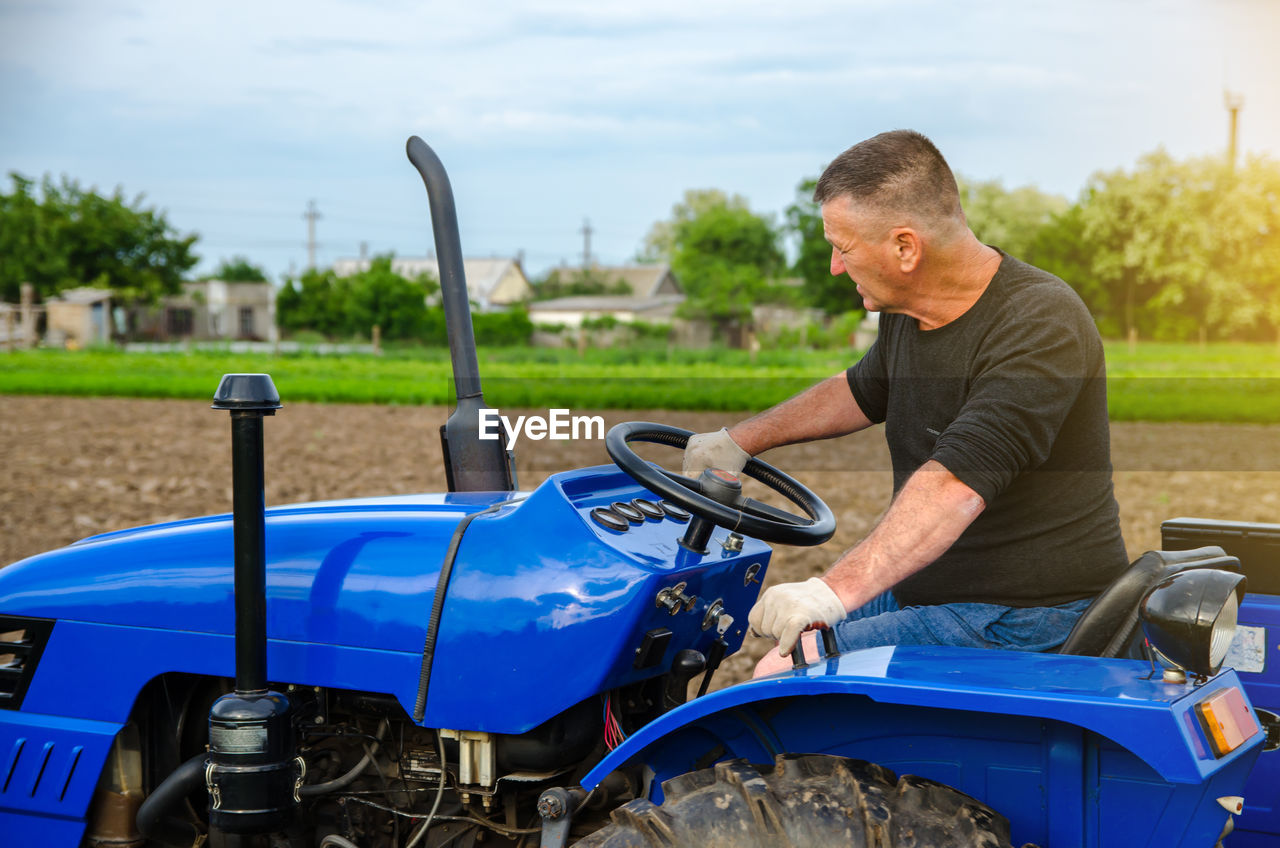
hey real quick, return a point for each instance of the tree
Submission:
(381, 297)
(342, 307)
(661, 241)
(238, 269)
(1188, 246)
(832, 294)
(310, 302)
(68, 237)
(1008, 219)
(1060, 247)
(725, 255)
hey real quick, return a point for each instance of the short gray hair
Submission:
(899, 171)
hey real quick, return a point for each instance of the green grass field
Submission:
(1159, 383)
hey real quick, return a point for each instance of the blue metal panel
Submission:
(86, 658)
(1065, 754)
(49, 767)
(1134, 807)
(350, 577)
(1109, 697)
(23, 831)
(514, 602)
(1259, 825)
(346, 574)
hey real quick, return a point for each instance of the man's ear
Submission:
(908, 249)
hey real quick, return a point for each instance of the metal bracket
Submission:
(557, 806)
(215, 791)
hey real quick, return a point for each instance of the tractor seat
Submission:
(1110, 626)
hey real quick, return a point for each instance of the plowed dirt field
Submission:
(71, 467)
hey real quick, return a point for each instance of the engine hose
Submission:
(184, 780)
(437, 605)
(346, 779)
(333, 840)
(435, 808)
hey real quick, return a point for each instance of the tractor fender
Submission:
(899, 705)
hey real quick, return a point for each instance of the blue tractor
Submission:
(487, 666)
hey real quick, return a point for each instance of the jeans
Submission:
(883, 622)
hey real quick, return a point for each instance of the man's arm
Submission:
(926, 518)
(822, 411)
(819, 412)
(930, 513)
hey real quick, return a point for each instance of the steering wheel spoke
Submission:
(760, 509)
(689, 483)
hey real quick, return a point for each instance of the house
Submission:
(491, 283)
(655, 295)
(210, 310)
(19, 323)
(79, 317)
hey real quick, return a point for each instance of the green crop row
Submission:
(1157, 383)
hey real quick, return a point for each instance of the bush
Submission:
(503, 329)
(306, 337)
(650, 330)
(604, 322)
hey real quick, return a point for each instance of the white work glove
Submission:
(789, 609)
(713, 450)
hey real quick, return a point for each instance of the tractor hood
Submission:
(542, 598)
(356, 572)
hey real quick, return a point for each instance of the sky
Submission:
(233, 116)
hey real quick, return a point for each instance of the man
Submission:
(989, 376)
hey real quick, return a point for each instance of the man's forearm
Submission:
(820, 412)
(933, 509)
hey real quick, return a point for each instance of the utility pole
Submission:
(586, 243)
(1234, 103)
(312, 215)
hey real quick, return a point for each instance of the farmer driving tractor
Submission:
(989, 376)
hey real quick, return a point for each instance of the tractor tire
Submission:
(803, 801)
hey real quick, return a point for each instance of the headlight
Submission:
(1224, 630)
(1190, 618)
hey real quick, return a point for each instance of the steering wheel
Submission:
(742, 514)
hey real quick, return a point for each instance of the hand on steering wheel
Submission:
(742, 514)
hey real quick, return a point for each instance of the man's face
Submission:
(859, 249)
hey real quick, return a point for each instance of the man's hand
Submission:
(713, 450)
(789, 609)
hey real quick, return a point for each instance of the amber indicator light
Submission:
(1226, 720)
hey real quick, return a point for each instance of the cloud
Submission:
(607, 109)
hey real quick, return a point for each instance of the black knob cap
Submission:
(246, 391)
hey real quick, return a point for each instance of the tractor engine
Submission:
(372, 778)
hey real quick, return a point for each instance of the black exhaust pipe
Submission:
(252, 774)
(471, 464)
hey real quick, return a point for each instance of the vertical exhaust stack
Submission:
(252, 774)
(471, 464)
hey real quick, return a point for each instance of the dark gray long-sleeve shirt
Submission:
(1011, 399)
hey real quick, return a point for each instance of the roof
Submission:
(483, 275)
(605, 303)
(643, 279)
(204, 280)
(84, 294)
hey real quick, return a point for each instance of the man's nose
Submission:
(837, 264)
